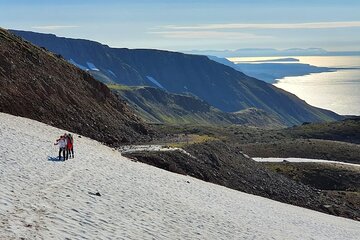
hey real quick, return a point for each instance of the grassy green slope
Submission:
(158, 106)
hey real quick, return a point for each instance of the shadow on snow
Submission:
(54, 159)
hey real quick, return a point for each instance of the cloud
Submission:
(234, 31)
(308, 25)
(54, 27)
(209, 35)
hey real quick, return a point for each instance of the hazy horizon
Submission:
(213, 50)
(193, 25)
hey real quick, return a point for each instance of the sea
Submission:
(338, 91)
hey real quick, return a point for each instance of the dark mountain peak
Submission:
(25, 34)
(40, 85)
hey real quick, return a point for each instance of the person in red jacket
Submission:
(70, 146)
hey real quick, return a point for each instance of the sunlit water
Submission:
(337, 91)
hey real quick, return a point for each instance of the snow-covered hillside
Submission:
(43, 199)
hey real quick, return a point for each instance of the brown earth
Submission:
(324, 176)
(37, 84)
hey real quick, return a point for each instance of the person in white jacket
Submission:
(62, 142)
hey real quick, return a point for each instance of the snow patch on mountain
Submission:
(92, 66)
(151, 148)
(102, 195)
(153, 80)
(78, 65)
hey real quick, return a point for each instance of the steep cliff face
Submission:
(219, 85)
(39, 85)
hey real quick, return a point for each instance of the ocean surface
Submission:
(338, 91)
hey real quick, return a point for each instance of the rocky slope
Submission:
(219, 85)
(324, 176)
(158, 106)
(42, 86)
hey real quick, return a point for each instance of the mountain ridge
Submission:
(219, 85)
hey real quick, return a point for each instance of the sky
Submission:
(184, 25)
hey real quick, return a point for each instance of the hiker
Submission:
(66, 146)
(62, 146)
(70, 146)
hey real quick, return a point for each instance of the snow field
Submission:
(42, 199)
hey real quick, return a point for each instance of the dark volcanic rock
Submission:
(37, 84)
(95, 194)
(324, 176)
